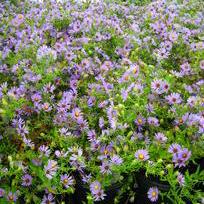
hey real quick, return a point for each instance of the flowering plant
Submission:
(99, 92)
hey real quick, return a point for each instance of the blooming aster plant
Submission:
(100, 90)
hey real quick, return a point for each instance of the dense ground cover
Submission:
(97, 97)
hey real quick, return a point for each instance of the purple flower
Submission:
(50, 169)
(105, 168)
(192, 101)
(160, 137)
(99, 196)
(174, 148)
(153, 121)
(153, 194)
(44, 150)
(158, 86)
(46, 107)
(202, 64)
(174, 98)
(181, 179)
(18, 20)
(48, 199)
(115, 159)
(49, 88)
(173, 36)
(76, 114)
(97, 191)
(27, 180)
(36, 97)
(91, 135)
(140, 121)
(2, 192)
(142, 155)
(66, 180)
(95, 187)
(184, 154)
(11, 197)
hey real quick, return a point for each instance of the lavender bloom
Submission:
(11, 197)
(77, 114)
(153, 121)
(50, 169)
(49, 88)
(27, 180)
(48, 199)
(105, 168)
(2, 192)
(36, 97)
(174, 148)
(44, 150)
(46, 52)
(140, 121)
(153, 194)
(192, 101)
(46, 107)
(66, 180)
(99, 196)
(115, 159)
(181, 179)
(158, 86)
(142, 155)
(174, 98)
(18, 20)
(160, 137)
(202, 64)
(95, 187)
(91, 135)
(97, 191)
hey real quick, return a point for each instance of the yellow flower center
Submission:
(154, 194)
(139, 121)
(20, 16)
(77, 114)
(126, 78)
(105, 151)
(141, 156)
(96, 187)
(65, 181)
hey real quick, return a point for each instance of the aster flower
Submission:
(11, 197)
(27, 180)
(192, 101)
(44, 150)
(181, 179)
(18, 20)
(2, 192)
(95, 187)
(105, 168)
(36, 97)
(174, 148)
(153, 194)
(160, 137)
(50, 169)
(76, 114)
(99, 196)
(142, 155)
(66, 180)
(46, 107)
(202, 64)
(140, 121)
(49, 88)
(46, 52)
(153, 121)
(91, 135)
(48, 199)
(115, 159)
(174, 98)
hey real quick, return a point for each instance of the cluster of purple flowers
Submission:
(98, 89)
